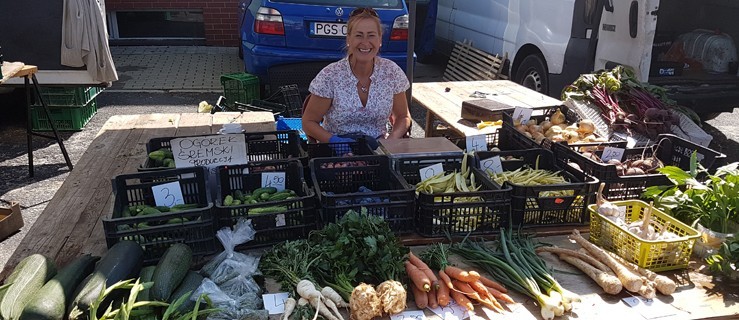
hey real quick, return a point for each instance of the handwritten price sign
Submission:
(409, 315)
(430, 171)
(522, 114)
(451, 312)
(168, 194)
(492, 165)
(274, 179)
(612, 153)
(477, 143)
(275, 302)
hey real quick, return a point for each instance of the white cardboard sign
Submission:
(409, 315)
(274, 179)
(209, 151)
(492, 164)
(275, 302)
(168, 194)
(522, 115)
(430, 171)
(451, 312)
(477, 143)
(612, 153)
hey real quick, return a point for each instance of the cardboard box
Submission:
(10, 220)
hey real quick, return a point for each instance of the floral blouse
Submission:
(347, 114)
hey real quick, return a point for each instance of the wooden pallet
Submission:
(468, 63)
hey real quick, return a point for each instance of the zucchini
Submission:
(191, 282)
(265, 210)
(170, 271)
(11, 278)
(50, 302)
(122, 261)
(145, 276)
(32, 275)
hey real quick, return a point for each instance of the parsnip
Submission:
(629, 280)
(609, 283)
(581, 256)
(663, 284)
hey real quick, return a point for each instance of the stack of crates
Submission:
(240, 87)
(71, 108)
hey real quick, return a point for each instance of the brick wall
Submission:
(219, 16)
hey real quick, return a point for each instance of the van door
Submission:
(626, 34)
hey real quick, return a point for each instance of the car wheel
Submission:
(241, 50)
(532, 74)
(709, 115)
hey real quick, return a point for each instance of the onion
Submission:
(545, 125)
(585, 127)
(531, 122)
(558, 117)
(535, 128)
(521, 128)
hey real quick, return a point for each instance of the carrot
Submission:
(422, 300)
(416, 261)
(492, 305)
(433, 300)
(480, 288)
(445, 278)
(459, 274)
(492, 284)
(442, 295)
(500, 295)
(418, 277)
(465, 288)
(461, 300)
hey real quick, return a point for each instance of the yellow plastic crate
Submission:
(658, 255)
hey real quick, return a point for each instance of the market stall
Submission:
(224, 206)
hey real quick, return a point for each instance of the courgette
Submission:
(122, 261)
(11, 278)
(191, 282)
(265, 210)
(50, 302)
(31, 277)
(170, 271)
(147, 273)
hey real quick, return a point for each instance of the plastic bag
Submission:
(231, 309)
(243, 314)
(242, 232)
(245, 291)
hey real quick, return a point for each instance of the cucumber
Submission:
(50, 302)
(122, 261)
(279, 196)
(32, 274)
(257, 193)
(191, 282)
(170, 271)
(265, 210)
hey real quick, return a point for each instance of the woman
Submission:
(355, 96)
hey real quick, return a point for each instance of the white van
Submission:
(551, 42)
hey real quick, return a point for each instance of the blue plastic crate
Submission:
(291, 124)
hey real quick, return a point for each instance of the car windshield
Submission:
(380, 4)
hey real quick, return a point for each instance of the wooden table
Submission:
(71, 224)
(446, 106)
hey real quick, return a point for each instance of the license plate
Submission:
(328, 29)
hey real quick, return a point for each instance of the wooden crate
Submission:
(10, 220)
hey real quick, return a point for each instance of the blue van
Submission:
(290, 41)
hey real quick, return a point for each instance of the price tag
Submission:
(168, 194)
(631, 301)
(274, 179)
(451, 312)
(477, 143)
(280, 220)
(430, 171)
(630, 142)
(522, 115)
(409, 315)
(275, 302)
(492, 165)
(612, 153)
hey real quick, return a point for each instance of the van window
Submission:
(589, 11)
(385, 4)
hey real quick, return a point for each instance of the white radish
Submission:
(663, 284)
(331, 294)
(581, 256)
(332, 306)
(289, 307)
(610, 284)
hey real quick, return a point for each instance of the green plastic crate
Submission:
(68, 96)
(65, 118)
(240, 87)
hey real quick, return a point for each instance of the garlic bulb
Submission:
(604, 207)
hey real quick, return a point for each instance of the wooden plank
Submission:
(48, 234)
(469, 63)
(193, 124)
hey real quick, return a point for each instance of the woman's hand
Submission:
(312, 117)
(400, 116)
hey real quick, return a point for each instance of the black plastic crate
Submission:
(337, 182)
(671, 150)
(479, 212)
(520, 141)
(530, 205)
(260, 146)
(162, 231)
(298, 218)
(500, 138)
(339, 149)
